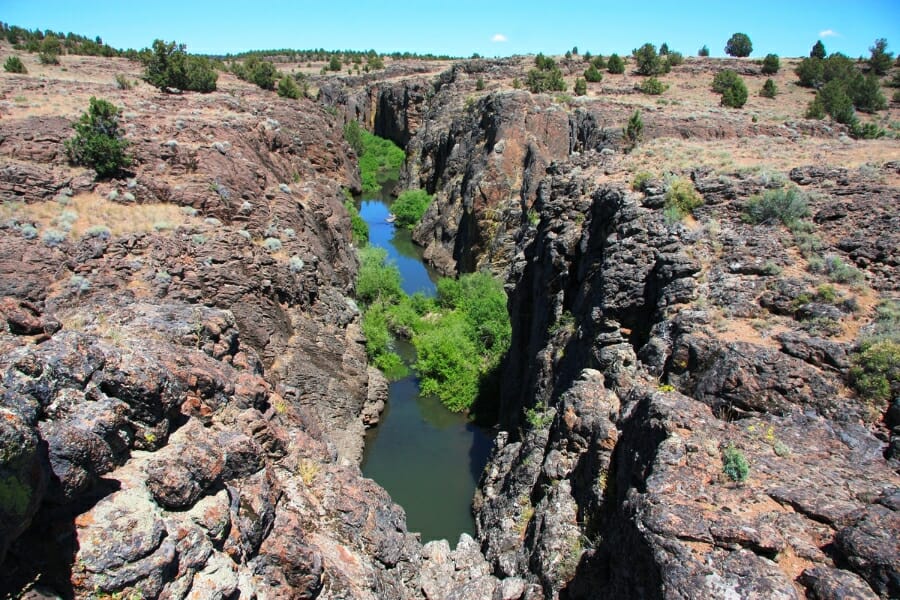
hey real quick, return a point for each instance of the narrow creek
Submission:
(426, 457)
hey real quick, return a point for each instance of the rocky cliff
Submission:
(183, 380)
(648, 351)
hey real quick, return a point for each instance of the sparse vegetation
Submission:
(771, 64)
(653, 86)
(787, 204)
(580, 87)
(681, 198)
(634, 130)
(97, 143)
(288, 88)
(732, 87)
(769, 89)
(545, 77)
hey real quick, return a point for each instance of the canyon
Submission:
(184, 401)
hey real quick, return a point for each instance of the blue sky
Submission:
(491, 28)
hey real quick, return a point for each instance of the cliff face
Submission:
(649, 351)
(184, 386)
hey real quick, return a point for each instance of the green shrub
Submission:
(358, 226)
(811, 72)
(353, 136)
(770, 64)
(123, 83)
(640, 180)
(735, 94)
(815, 110)
(479, 84)
(840, 272)
(97, 142)
(876, 371)
(377, 279)
(14, 64)
(787, 205)
(615, 64)
(681, 197)
(410, 206)
(580, 87)
(739, 45)
(379, 162)
(734, 464)
(444, 362)
(769, 89)
(546, 77)
(169, 66)
(335, 63)
(288, 88)
(593, 74)
(867, 95)
(653, 86)
(723, 80)
(634, 130)
(703, 51)
(598, 62)
(48, 58)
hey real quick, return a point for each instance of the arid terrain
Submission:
(185, 386)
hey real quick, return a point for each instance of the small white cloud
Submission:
(828, 33)
(498, 37)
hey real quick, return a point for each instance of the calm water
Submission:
(428, 458)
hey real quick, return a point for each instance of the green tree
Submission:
(769, 89)
(723, 80)
(880, 60)
(288, 88)
(168, 65)
(634, 130)
(648, 61)
(580, 87)
(664, 49)
(815, 110)
(479, 84)
(770, 64)
(735, 95)
(615, 64)
(335, 63)
(546, 77)
(867, 95)
(673, 59)
(704, 51)
(14, 64)
(818, 50)
(593, 74)
(378, 279)
(739, 45)
(598, 62)
(353, 136)
(97, 142)
(837, 102)
(410, 206)
(811, 72)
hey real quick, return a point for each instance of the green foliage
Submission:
(704, 51)
(410, 206)
(288, 88)
(815, 110)
(598, 62)
(648, 62)
(734, 464)
(14, 64)
(681, 197)
(168, 65)
(335, 63)
(867, 95)
(787, 205)
(837, 102)
(634, 129)
(736, 95)
(840, 272)
(353, 135)
(732, 87)
(615, 64)
(739, 45)
(48, 58)
(723, 80)
(358, 225)
(378, 280)
(771, 64)
(653, 86)
(818, 50)
(880, 59)
(479, 84)
(97, 142)
(769, 89)
(593, 74)
(378, 342)
(811, 72)
(257, 71)
(640, 180)
(876, 371)
(546, 77)
(123, 83)
(580, 87)
(379, 162)
(460, 349)
(673, 59)
(517, 85)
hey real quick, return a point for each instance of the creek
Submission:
(426, 457)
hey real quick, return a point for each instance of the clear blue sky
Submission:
(459, 28)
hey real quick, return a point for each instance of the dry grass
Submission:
(86, 211)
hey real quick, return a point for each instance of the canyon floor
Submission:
(185, 387)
